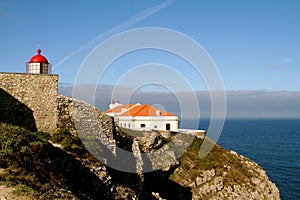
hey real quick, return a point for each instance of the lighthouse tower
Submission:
(38, 64)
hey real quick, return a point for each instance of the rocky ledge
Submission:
(154, 167)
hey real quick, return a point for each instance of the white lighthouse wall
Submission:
(34, 68)
(39, 68)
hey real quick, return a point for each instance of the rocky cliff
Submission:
(112, 163)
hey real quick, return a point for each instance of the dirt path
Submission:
(6, 193)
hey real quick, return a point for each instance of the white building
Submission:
(142, 117)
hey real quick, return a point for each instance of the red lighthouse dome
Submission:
(38, 58)
(38, 64)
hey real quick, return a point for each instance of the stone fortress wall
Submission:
(29, 100)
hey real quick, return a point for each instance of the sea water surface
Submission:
(272, 143)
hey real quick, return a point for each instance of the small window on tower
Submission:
(143, 125)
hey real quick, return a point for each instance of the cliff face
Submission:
(220, 175)
(163, 169)
(223, 174)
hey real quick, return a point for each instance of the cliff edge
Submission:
(81, 161)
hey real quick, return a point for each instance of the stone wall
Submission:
(34, 93)
(85, 120)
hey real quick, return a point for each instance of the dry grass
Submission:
(219, 159)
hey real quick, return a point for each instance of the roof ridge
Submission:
(164, 112)
(141, 110)
(143, 106)
(134, 105)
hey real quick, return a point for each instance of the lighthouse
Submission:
(38, 64)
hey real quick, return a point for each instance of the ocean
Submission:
(272, 143)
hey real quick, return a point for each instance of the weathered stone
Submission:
(208, 185)
(34, 94)
(84, 119)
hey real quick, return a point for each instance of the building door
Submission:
(168, 127)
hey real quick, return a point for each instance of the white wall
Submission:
(38, 68)
(34, 68)
(155, 122)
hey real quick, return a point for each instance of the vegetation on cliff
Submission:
(41, 166)
(32, 165)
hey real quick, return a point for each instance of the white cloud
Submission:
(240, 103)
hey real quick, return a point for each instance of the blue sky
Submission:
(255, 44)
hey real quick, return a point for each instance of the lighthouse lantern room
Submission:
(38, 64)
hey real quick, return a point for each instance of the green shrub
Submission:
(42, 135)
(68, 141)
(60, 135)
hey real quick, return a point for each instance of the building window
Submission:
(121, 124)
(128, 125)
(125, 125)
(155, 126)
(168, 127)
(143, 125)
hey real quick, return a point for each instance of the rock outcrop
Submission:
(143, 165)
(230, 177)
(215, 183)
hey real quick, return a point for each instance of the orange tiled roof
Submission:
(119, 108)
(145, 110)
